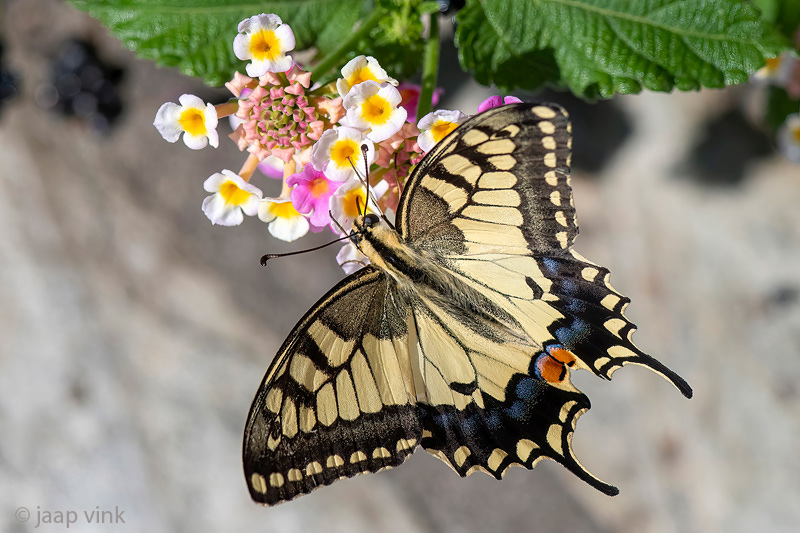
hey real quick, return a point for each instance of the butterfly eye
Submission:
(370, 219)
(355, 236)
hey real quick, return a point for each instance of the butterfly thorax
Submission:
(418, 274)
(387, 251)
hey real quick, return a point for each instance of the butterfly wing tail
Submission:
(535, 421)
(594, 328)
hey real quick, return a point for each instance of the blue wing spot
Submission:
(526, 388)
(518, 410)
(471, 425)
(550, 265)
(569, 286)
(576, 306)
(493, 421)
(574, 333)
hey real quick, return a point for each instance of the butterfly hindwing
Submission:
(594, 326)
(337, 400)
(492, 398)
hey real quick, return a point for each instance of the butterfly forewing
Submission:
(498, 182)
(338, 399)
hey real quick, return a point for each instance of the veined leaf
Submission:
(482, 52)
(619, 46)
(197, 35)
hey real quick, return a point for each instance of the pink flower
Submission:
(311, 195)
(410, 94)
(398, 155)
(239, 84)
(497, 101)
(272, 167)
(278, 118)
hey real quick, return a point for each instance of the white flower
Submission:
(264, 40)
(272, 167)
(348, 202)
(778, 70)
(193, 117)
(375, 107)
(350, 258)
(232, 199)
(436, 126)
(361, 69)
(339, 150)
(789, 138)
(285, 222)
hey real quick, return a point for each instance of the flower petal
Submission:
(286, 37)
(288, 229)
(195, 142)
(350, 258)
(166, 121)
(218, 212)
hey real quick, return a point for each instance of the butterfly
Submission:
(461, 333)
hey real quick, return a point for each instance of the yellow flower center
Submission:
(376, 110)
(193, 121)
(318, 187)
(361, 75)
(232, 194)
(441, 129)
(352, 200)
(773, 63)
(264, 46)
(342, 150)
(283, 210)
(796, 133)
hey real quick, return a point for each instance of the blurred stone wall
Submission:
(134, 334)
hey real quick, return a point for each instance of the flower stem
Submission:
(288, 169)
(334, 57)
(249, 167)
(430, 67)
(226, 109)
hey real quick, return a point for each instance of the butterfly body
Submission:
(416, 275)
(460, 335)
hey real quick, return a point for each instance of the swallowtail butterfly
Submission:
(461, 333)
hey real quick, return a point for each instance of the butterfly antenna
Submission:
(267, 257)
(365, 180)
(366, 171)
(370, 196)
(399, 185)
(343, 230)
(361, 178)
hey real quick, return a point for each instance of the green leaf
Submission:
(397, 42)
(196, 36)
(784, 14)
(603, 47)
(779, 106)
(482, 52)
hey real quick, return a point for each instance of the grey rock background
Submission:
(133, 334)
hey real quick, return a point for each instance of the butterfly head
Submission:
(363, 225)
(380, 243)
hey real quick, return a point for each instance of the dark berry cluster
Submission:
(9, 81)
(83, 86)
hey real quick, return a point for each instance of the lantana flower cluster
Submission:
(321, 142)
(784, 71)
